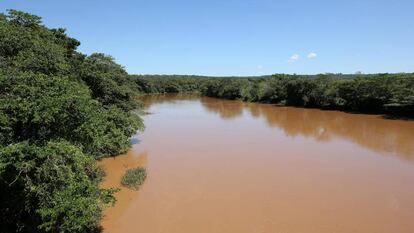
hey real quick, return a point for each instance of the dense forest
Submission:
(60, 110)
(391, 94)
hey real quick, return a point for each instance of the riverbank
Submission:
(388, 94)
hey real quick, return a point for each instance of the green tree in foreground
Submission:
(52, 188)
(108, 81)
(60, 110)
(38, 108)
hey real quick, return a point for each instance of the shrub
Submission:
(134, 177)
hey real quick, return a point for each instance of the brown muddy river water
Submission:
(231, 167)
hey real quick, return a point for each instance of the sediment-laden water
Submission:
(227, 166)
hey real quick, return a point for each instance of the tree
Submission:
(54, 124)
(37, 108)
(108, 81)
(53, 188)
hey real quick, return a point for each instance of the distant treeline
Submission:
(60, 110)
(391, 94)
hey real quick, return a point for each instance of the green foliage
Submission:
(392, 94)
(26, 45)
(169, 83)
(108, 81)
(134, 177)
(59, 111)
(37, 108)
(23, 19)
(107, 132)
(368, 94)
(273, 90)
(228, 88)
(53, 187)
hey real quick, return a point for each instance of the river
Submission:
(232, 167)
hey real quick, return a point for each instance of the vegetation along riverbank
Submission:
(390, 94)
(60, 110)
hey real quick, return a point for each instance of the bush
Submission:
(134, 177)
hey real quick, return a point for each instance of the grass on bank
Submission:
(134, 177)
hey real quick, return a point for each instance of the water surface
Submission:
(233, 167)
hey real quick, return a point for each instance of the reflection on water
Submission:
(134, 140)
(149, 100)
(218, 166)
(225, 109)
(371, 131)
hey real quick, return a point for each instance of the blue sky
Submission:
(243, 37)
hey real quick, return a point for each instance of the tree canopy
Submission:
(60, 110)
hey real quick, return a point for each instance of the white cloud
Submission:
(259, 67)
(294, 57)
(312, 55)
